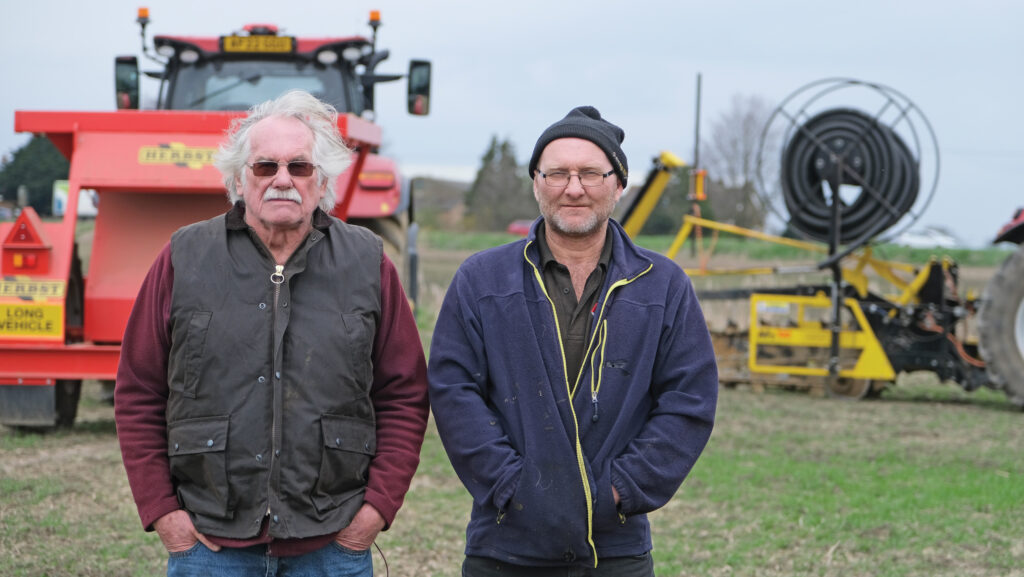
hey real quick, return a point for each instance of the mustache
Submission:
(285, 194)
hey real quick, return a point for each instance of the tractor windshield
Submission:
(222, 84)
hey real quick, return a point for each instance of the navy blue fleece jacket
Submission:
(539, 450)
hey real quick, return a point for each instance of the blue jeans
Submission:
(330, 561)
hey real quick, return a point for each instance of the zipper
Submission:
(277, 279)
(580, 462)
(601, 325)
(599, 339)
(602, 332)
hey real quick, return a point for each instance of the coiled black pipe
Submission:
(845, 146)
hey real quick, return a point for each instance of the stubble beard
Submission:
(577, 228)
(574, 229)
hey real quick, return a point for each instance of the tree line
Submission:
(35, 166)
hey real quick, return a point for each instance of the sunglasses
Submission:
(264, 168)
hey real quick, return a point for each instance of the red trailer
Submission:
(152, 172)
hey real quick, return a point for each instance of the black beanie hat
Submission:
(585, 122)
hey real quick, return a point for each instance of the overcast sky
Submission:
(512, 68)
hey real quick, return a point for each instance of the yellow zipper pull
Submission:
(277, 277)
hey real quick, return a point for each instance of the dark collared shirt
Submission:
(574, 317)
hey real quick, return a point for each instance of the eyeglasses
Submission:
(587, 177)
(264, 168)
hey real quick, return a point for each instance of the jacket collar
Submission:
(627, 261)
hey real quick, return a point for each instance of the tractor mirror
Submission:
(126, 82)
(419, 87)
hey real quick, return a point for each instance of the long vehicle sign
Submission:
(32, 309)
(36, 321)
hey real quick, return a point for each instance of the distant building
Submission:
(87, 200)
(928, 237)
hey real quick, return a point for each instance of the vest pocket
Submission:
(195, 343)
(358, 334)
(348, 446)
(196, 449)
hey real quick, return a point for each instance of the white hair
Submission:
(330, 154)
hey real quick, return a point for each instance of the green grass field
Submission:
(927, 481)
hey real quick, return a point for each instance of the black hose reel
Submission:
(839, 149)
(845, 176)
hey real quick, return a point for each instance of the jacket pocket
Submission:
(197, 451)
(358, 334)
(195, 344)
(348, 446)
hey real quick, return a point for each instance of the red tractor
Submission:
(152, 173)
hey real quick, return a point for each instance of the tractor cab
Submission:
(259, 63)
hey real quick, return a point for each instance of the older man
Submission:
(571, 376)
(271, 397)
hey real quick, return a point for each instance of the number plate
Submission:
(275, 44)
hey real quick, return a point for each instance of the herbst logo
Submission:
(26, 289)
(176, 153)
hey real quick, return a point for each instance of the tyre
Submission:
(1001, 328)
(67, 394)
(394, 231)
(848, 389)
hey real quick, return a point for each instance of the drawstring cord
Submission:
(387, 572)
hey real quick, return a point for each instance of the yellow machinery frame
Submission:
(872, 362)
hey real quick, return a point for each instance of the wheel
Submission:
(848, 389)
(876, 389)
(1001, 328)
(394, 231)
(66, 393)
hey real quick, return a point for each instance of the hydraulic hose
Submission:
(847, 147)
